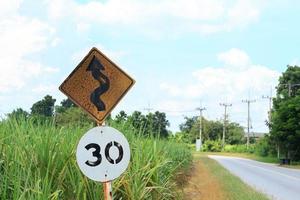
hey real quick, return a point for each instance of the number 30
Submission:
(98, 155)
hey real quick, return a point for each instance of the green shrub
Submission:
(239, 148)
(262, 147)
(212, 146)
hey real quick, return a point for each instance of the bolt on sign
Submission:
(97, 85)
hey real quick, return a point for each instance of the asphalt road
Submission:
(277, 182)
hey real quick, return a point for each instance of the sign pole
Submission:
(107, 186)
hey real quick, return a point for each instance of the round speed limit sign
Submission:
(103, 154)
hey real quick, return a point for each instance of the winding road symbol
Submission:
(97, 85)
(96, 68)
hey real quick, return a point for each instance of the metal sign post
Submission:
(107, 186)
(107, 189)
(97, 85)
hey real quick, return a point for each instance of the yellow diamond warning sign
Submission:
(97, 85)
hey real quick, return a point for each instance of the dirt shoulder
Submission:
(202, 185)
(208, 180)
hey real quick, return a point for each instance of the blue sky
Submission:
(180, 52)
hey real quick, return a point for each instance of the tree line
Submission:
(212, 130)
(68, 114)
(151, 124)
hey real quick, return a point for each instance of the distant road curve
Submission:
(277, 182)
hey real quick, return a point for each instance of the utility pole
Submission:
(225, 120)
(270, 98)
(200, 109)
(248, 101)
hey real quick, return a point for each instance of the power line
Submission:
(225, 119)
(248, 101)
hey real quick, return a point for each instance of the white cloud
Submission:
(113, 55)
(232, 80)
(176, 108)
(9, 7)
(59, 8)
(194, 9)
(230, 83)
(45, 89)
(83, 27)
(55, 42)
(234, 57)
(172, 89)
(20, 37)
(51, 69)
(243, 12)
(168, 16)
(139, 12)
(238, 15)
(113, 11)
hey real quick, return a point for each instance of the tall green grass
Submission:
(37, 161)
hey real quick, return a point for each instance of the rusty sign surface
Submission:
(97, 85)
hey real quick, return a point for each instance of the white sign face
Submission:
(103, 154)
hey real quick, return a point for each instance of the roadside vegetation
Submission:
(37, 155)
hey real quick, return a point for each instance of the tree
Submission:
(138, 121)
(188, 124)
(234, 133)
(212, 130)
(44, 107)
(18, 113)
(288, 81)
(285, 127)
(64, 105)
(121, 117)
(190, 128)
(67, 103)
(153, 124)
(157, 124)
(73, 116)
